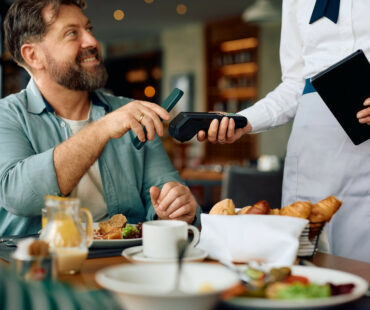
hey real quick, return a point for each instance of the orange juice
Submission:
(69, 260)
(64, 233)
(44, 217)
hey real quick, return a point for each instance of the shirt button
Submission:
(63, 124)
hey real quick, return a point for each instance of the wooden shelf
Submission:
(239, 69)
(238, 93)
(232, 77)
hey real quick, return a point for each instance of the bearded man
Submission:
(63, 136)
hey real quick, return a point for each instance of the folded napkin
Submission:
(269, 239)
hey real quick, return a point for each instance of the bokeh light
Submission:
(149, 91)
(181, 9)
(118, 15)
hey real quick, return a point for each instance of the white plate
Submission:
(316, 275)
(135, 254)
(115, 243)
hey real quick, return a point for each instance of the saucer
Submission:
(135, 254)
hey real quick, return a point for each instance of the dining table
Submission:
(86, 277)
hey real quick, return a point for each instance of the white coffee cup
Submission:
(160, 237)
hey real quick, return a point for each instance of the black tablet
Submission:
(344, 87)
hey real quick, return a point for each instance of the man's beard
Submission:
(74, 76)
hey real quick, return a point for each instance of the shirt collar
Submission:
(37, 104)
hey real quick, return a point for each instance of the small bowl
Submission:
(150, 286)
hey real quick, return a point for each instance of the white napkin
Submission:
(269, 239)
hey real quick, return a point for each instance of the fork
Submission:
(242, 276)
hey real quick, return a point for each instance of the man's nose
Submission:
(88, 40)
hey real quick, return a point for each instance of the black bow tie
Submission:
(327, 8)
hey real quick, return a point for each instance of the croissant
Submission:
(260, 207)
(274, 212)
(223, 207)
(244, 210)
(300, 209)
(324, 209)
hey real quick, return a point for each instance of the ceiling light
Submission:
(262, 11)
(148, 1)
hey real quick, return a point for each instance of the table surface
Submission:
(86, 277)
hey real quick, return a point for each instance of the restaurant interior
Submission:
(224, 55)
(221, 57)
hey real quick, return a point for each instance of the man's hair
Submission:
(24, 23)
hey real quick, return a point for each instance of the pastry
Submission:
(244, 210)
(274, 211)
(116, 221)
(223, 207)
(300, 209)
(324, 209)
(260, 207)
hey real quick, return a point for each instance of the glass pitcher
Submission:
(68, 238)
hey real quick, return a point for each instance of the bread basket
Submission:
(309, 239)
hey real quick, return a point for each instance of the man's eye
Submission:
(90, 29)
(71, 33)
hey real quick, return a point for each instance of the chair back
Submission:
(246, 186)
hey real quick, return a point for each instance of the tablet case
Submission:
(344, 87)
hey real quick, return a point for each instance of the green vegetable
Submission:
(254, 274)
(301, 291)
(128, 231)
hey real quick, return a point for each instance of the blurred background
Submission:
(223, 54)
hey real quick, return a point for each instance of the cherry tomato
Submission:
(293, 279)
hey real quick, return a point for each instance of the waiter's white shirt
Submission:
(307, 49)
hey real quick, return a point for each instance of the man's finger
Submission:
(154, 195)
(179, 212)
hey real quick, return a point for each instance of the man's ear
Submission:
(32, 56)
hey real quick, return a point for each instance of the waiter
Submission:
(321, 159)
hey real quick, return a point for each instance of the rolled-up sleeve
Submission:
(25, 177)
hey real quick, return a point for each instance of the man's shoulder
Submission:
(113, 101)
(13, 102)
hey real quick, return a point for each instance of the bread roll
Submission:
(116, 221)
(244, 210)
(260, 207)
(223, 207)
(300, 209)
(324, 209)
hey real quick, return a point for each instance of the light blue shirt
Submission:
(29, 132)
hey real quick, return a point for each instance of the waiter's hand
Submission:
(223, 132)
(174, 202)
(364, 115)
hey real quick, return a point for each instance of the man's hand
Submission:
(174, 202)
(74, 157)
(132, 116)
(225, 133)
(364, 115)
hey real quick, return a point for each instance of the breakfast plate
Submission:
(135, 254)
(114, 243)
(315, 275)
